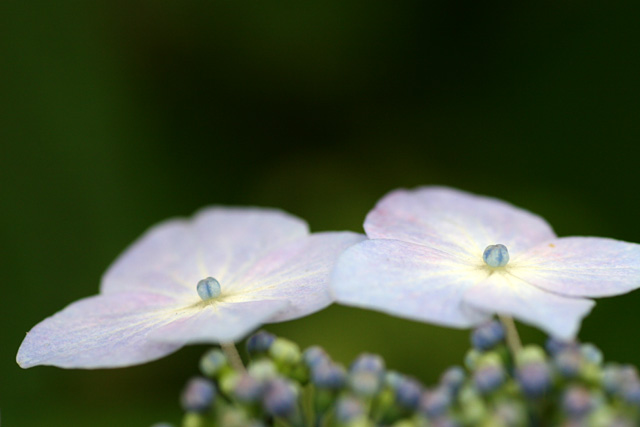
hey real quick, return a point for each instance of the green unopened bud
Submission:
(591, 373)
(193, 419)
(263, 370)
(285, 351)
(530, 354)
(471, 359)
(489, 359)
(213, 363)
(228, 382)
(473, 412)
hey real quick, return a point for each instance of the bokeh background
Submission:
(117, 114)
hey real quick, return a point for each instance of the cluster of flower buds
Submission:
(565, 384)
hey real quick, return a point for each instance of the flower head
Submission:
(452, 258)
(211, 279)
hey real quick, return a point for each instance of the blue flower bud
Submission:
(328, 375)
(368, 362)
(408, 392)
(631, 392)
(496, 256)
(488, 335)
(247, 389)
(162, 425)
(315, 355)
(198, 395)
(591, 353)
(555, 345)
(434, 403)
(568, 362)
(212, 362)
(488, 378)
(452, 379)
(208, 288)
(393, 378)
(611, 379)
(280, 398)
(534, 379)
(628, 373)
(349, 409)
(577, 401)
(260, 342)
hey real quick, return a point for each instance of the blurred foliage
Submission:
(115, 115)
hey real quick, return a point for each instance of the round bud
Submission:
(435, 403)
(534, 379)
(328, 375)
(208, 288)
(315, 355)
(408, 392)
(577, 401)
(285, 351)
(452, 379)
(212, 362)
(348, 409)
(247, 388)
(368, 362)
(488, 335)
(496, 256)
(260, 342)
(198, 395)
(280, 398)
(488, 378)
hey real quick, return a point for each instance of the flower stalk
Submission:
(233, 356)
(513, 339)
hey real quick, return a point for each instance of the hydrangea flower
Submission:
(452, 258)
(211, 279)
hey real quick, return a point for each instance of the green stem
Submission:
(233, 356)
(513, 339)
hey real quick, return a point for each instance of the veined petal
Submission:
(216, 322)
(407, 280)
(581, 266)
(455, 221)
(504, 293)
(219, 242)
(103, 331)
(298, 273)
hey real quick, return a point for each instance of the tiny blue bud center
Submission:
(496, 256)
(208, 288)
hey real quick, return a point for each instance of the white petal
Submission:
(503, 293)
(298, 272)
(582, 266)
(217, 322)
(406, 280)
(219, 242)
(99, 332)
(455, 221)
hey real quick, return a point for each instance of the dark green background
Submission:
(115, 115)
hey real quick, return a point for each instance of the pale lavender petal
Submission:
(455, 221)
(99, 332)
(503, 293)
(582, 266)
(219, 242)
(217, 322)
(407, 280)
(298, 273)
